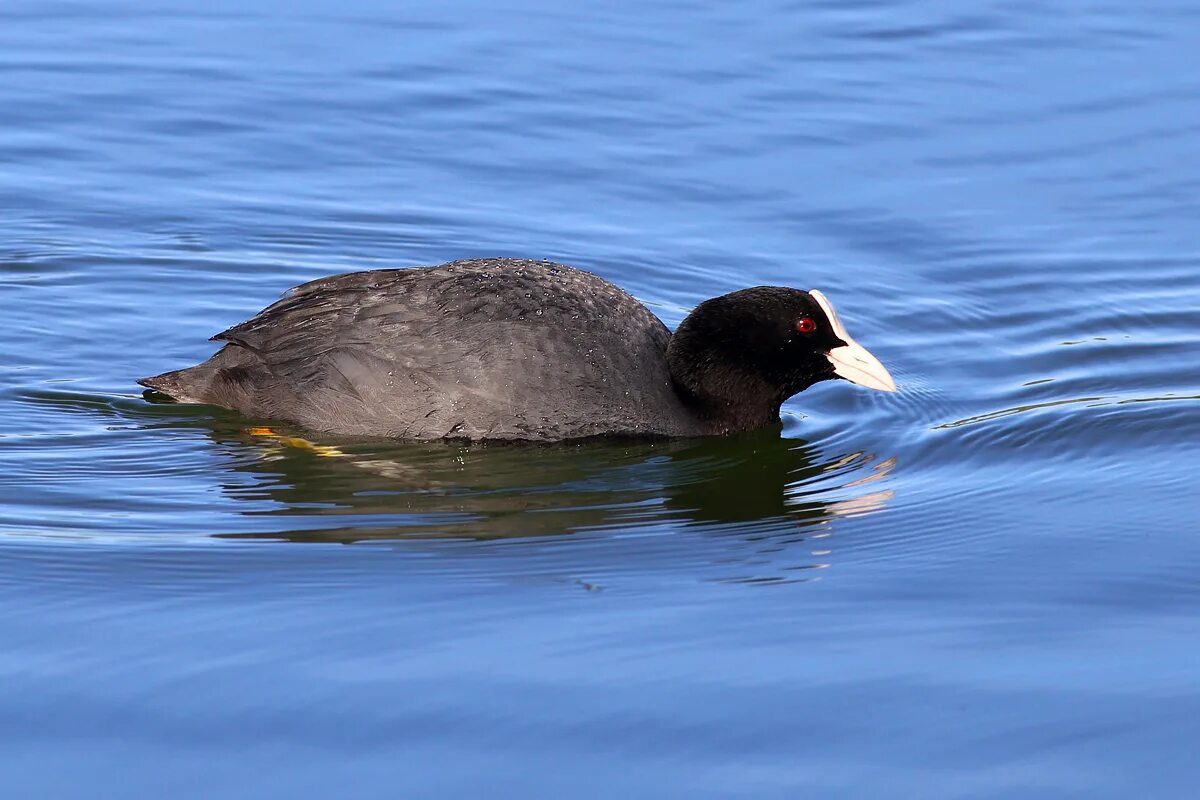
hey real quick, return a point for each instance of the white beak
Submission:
(852, 361)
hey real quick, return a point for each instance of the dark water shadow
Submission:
(386, 490)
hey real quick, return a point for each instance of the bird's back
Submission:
(481, 349)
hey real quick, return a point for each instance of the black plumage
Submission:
(509, 349)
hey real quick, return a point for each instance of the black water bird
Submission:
(514, 349)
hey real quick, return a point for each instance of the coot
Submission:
(512, 349)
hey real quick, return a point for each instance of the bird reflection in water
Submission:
(762, 506)
(766, 491)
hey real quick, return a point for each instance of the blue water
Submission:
(983, 586)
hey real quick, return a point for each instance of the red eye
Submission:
(806, 325)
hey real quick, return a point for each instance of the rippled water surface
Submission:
(982, 586)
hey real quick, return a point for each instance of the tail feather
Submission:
(173, 384)
(230, 379)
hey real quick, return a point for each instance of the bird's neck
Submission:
(726, 398)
